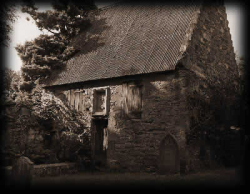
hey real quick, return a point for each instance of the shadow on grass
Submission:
(96, 181)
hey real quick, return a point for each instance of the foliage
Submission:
(66, 20)
(214, 109)
(240, 60)
(244, 91)
(8, 75)
(73, 136)
(7, 13)
(41, 56)
(48, 114)
(49, 52)
(10, 84)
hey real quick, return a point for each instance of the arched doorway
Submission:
(169, 161)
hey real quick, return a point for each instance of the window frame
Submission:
(106, 101)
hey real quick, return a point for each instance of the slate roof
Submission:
(129, 39)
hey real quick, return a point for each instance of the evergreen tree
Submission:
(49, 52)
(8, 16)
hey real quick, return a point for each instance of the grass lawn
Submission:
(209, 179)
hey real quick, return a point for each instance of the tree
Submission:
(8, 74)
(240, 60)
(41, 56)
(66, 19)
(7, 13)
(10, 85)
(244, 91)
(50, 52)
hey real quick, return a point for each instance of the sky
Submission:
(24, 30)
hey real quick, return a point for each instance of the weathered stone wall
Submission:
(210, 53)
(134, 144)
(45, 170)
(213, 79)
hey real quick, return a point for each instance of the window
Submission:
(100, 101)
(101, 98)
(132, 99)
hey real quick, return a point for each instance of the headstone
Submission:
(22, 171)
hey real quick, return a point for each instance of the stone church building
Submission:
(133, 76)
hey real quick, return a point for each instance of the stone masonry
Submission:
(143, 121)
(134, 143)
(206, 65)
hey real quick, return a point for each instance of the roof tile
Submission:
(130, 39)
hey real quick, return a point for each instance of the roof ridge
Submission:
(190, 30)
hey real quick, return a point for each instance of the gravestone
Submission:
(22, 171)
(169, 156)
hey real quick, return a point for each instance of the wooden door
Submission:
(100, 142)
(169, 156)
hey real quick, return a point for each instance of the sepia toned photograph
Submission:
(123, 94)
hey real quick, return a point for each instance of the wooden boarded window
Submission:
(132, 99)
(74, 99)
(101, 101)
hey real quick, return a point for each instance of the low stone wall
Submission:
(43, 170)
(54, 169)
